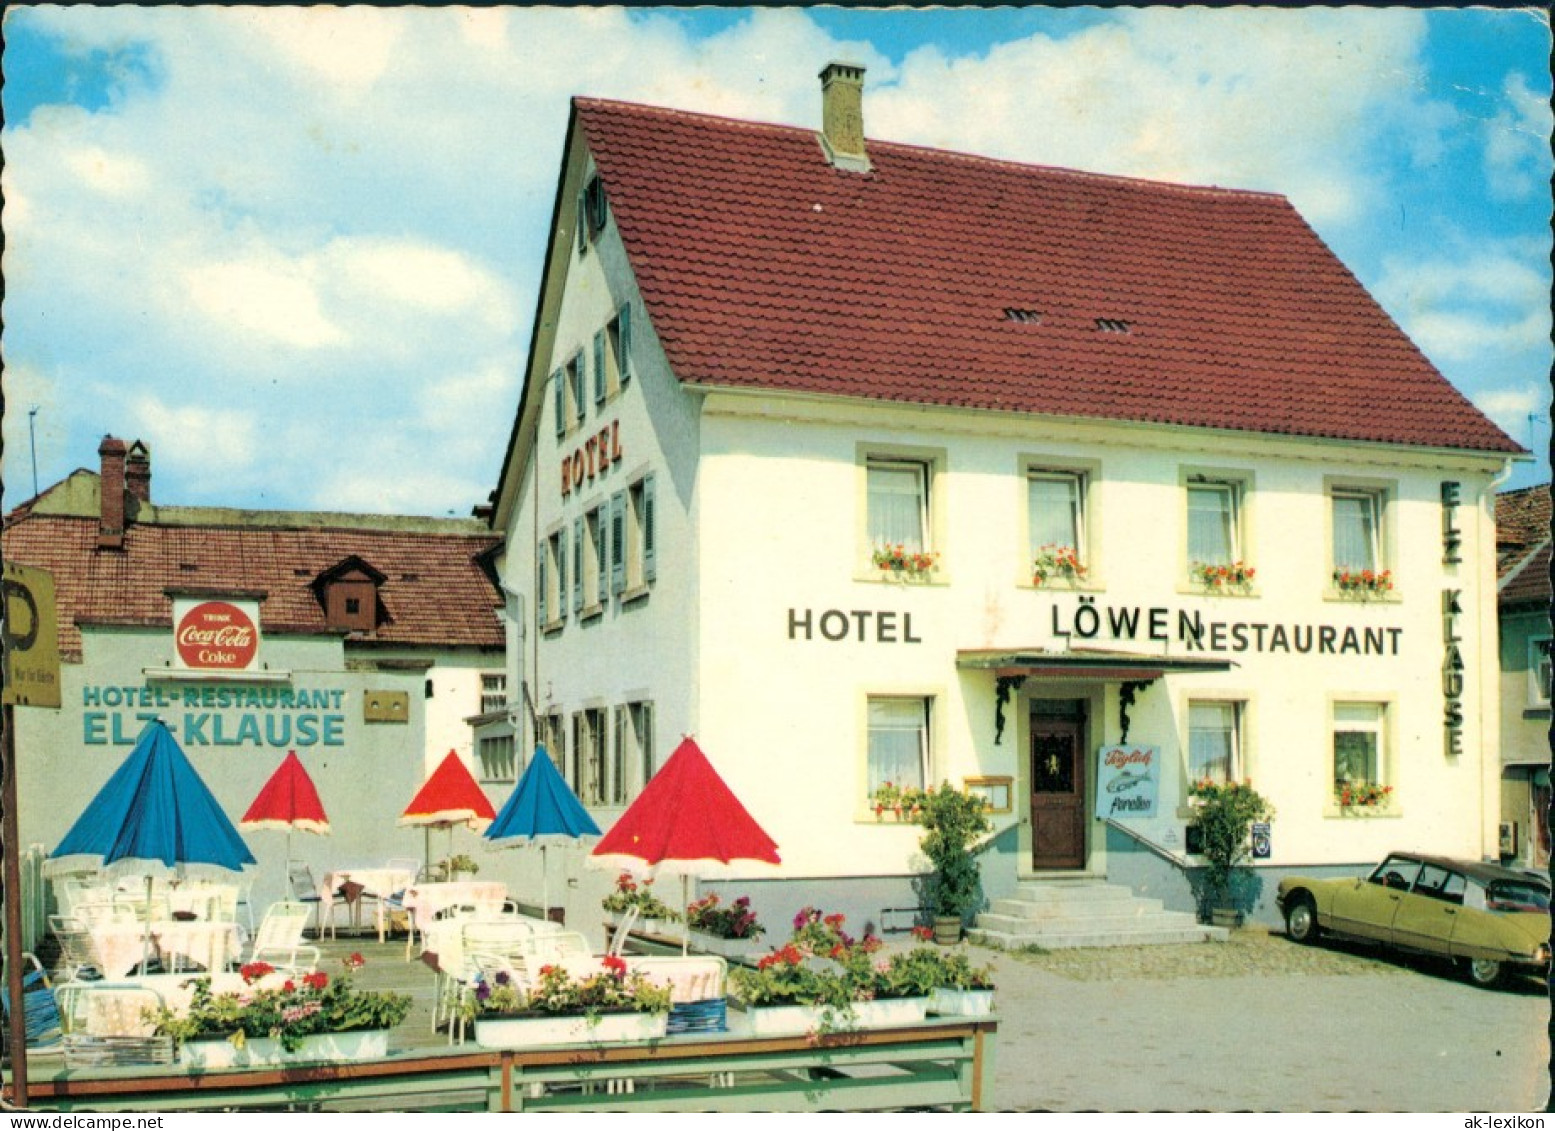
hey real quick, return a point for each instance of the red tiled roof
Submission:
(436, 594)
(762, 266)
(1523, 546)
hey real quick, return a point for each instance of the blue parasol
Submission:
(542, 810)
(154, 815)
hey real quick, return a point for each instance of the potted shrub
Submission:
(1223, 814)
(652, 912)
(281, 1019)
(729, 929)
(459, 867)
(953, 822)
(611, 1004)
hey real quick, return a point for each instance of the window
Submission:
(898, 743)
(899, 504)
(612, 356)
(495, 758)
(632, 766)
(592, 212)
(588, 741)
(577, 565)
(1539, 672)
(353, 606)
(1357, 522)
(1055, 506)
(1214, 741)
(1214, 523)
(552, 730)
(568, 389)
(494, 692)
(591, 586)
(551, 580)
(631, 546)
(1358, 744)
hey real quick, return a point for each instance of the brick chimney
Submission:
(137, 472)
(842, 116)
(110, 532)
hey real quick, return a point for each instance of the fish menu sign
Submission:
(1128, 781)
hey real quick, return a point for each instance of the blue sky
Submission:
(291, 248)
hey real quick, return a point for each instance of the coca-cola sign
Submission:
(216, 634)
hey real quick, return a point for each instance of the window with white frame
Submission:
(1055, 508)
(1539, 672)
(1214, 523)
(635, 547)
(591, 565)
(1359, 744)
(898, 742)
(1357, 527)
(1214, 740)
(494, 692)
(898, 504)
(495, 757)
(551, 580)
(569, 392)
(631, 763)
(612, 355)
(588, 743)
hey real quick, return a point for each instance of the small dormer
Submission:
(349, 594)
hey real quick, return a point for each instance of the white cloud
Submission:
(191, 440)
(276, 302)
(1517, 142)
(1487, 299)
(108, 173)
(1513, 409)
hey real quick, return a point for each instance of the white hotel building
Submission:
(763, 353)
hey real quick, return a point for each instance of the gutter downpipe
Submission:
(1491, 625)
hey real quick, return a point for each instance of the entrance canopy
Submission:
(1133, 671)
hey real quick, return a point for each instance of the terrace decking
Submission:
(930, 1065)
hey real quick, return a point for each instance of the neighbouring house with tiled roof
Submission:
(366, 643)
(1523, 602)
(876, 466)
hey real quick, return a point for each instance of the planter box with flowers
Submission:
(960, 989)
(824, 981)
(1363, 584)
(892, 802)
(1057, 563)
(903, 564)
(560, 1009)
(730, 930)
(1363, 798)
(312, 1017)
(1234, 578)
(653, 915)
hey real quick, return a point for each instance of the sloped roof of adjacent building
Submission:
(436, 592)
(1523, 546)
(945, 279)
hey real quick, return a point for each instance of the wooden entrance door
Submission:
(1057, 794)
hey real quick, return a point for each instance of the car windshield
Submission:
(1517, 895)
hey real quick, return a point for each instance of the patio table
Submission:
(442, 943)
(121, 945)
(373, 880)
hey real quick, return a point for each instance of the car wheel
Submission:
(1301, 921)
(1483, 972)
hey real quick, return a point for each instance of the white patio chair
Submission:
(78, 959)
(279, 940)
(623, 929)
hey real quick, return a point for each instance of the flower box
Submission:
(259, 1052)
(961, 1003)
(728, 948)
(881, 1013)
(540, 1030)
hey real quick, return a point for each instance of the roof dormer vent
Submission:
(842, 116)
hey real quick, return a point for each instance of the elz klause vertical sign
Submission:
(31, 638)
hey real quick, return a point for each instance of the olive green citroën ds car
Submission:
(1487, 918)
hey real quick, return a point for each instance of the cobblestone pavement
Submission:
(1260, 1024)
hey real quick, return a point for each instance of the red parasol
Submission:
(288, 801)
(449, 797)
(685, 822)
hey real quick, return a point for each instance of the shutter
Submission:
(577, 565)
(618, 542)
(540, 585)
(624, 343)
(600, 535)
(583, 220)
(648, 555)
(599, 368)
(579, 384)
(561, 402)
(561, 576)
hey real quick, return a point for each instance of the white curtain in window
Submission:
(1212, 751)
(896, 506)
(1211, 525)
(1053, 504)
(1355, 532)
(898, 743)
(1357, 743)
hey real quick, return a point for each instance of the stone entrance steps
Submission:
(1057, 914)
